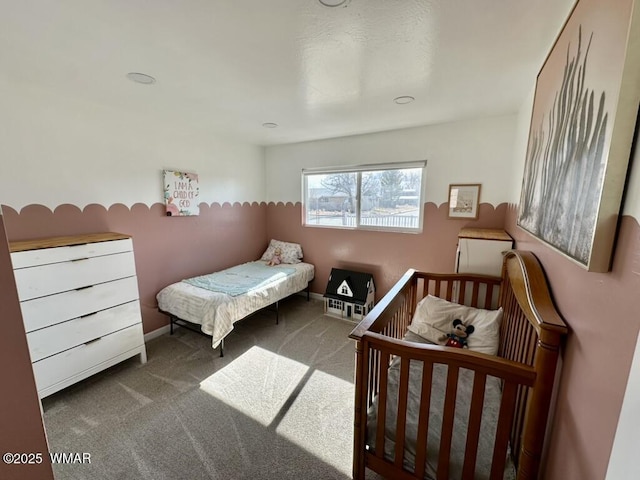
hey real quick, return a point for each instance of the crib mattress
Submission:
(216, 312)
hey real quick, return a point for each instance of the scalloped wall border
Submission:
(203, 205)
(136, 206)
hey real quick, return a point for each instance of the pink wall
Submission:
(386, 255)
(21, 425)
(167, 249)
(602, 311)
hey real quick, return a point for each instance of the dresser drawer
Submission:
(34, 282)
(44, 256)
(77, 363)
(45, 311)
(49, 341)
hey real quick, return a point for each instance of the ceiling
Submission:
(228, 66)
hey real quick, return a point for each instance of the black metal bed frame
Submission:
(173, 320)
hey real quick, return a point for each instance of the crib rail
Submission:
(393, 313)
(512, 375)
(391, 318)
(531, 333)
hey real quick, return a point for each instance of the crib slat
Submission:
(423, 419)
(531, 345)
(463, 287)
(473, 429)
(518, 423)
(505, 416)
(402, 411)
(488, 299)
(447, 422)
(382, 405)
(437, 291)
(372, 381)
(376, 375)
(474, 296)
(370, 361)
(520, 342)
(450, 291)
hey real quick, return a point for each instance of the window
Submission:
(337, 304)
(375, 197)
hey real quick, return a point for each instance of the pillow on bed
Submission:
(434, 318)
(290, 252)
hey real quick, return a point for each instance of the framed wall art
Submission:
(464, 200)
(181, 193)
(582, 126)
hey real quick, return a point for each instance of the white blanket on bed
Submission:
(216, 312)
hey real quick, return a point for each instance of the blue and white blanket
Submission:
(240, 279)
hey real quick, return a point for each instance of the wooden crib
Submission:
(531, 333)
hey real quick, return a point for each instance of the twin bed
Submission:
(212, 303)
(423, 410)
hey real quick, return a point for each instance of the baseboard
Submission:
(315, 296)
(156, 333)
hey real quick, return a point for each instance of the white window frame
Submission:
(359, 169)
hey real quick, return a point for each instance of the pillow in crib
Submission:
(289, 252)
(434, 318)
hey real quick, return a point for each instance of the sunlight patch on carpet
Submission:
(317, 418)
(258, 383)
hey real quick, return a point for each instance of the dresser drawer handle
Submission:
(83, 288)
(79, 259)
(92, 341)
(88, 315)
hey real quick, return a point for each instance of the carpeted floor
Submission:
(278, 405)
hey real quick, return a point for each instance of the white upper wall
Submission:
(56, 150)
(520, 150)
(473, 151)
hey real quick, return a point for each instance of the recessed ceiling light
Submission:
(334, 3)
(141, 78)
(269, 125)
(403, 100)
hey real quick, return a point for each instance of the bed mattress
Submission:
(216, 312)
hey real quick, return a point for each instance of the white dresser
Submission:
(79, 300)
(480, 251)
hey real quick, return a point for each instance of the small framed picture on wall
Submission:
(181, 193)
(464, 200)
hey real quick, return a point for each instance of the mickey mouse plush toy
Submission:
(460, 334)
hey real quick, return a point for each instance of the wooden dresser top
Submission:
(484, 234)
(51, 242)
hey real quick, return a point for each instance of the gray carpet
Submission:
(278, 405)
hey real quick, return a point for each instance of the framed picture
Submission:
(464, 200)
(582, 126)
(181, 193)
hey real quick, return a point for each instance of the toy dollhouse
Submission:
(349, 294)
